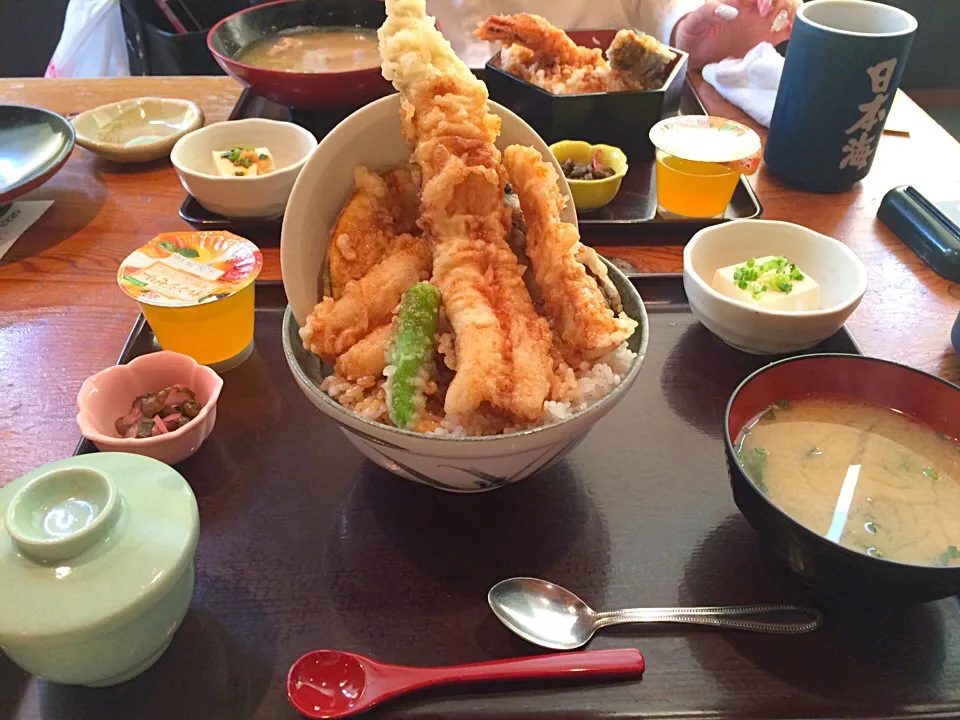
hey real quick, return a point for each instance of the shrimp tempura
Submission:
(503, 346)
(544, 55)
(571, 297)
(549, 44)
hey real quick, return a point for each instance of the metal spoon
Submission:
(553, 617)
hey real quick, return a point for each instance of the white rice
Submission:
(366, 396)
(573, 391)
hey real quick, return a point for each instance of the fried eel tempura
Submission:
(503, 346)
(572, 299)
(382, 208)
(335, 326)
(640, 59)
(544, 55)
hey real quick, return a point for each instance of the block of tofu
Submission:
(258, 165)
(768, 282)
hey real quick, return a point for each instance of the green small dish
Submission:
(592, 194)
(96, 556)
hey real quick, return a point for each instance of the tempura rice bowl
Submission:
(457, 463)
(449, 459)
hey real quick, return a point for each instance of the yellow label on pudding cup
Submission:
(196, 289)
(172, 283)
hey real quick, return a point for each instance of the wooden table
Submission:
(63, 318)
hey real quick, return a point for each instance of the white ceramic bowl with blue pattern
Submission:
(471, 464)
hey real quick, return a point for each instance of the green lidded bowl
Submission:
(96, 556)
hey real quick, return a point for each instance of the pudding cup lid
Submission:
(181, 269)
(89, 543)
(704, 138)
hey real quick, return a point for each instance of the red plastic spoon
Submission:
(333, 684)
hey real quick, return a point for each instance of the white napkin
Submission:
(749, 83)
(20, 216)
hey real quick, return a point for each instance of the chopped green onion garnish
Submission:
(931, 473)
(777, 273)
(263, 156)
(947, 557)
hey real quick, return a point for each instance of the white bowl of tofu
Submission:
(243, 168)
(770, 288)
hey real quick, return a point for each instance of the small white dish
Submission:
(137, 130)
(242, 197)
(839, 272)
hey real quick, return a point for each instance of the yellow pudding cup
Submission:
(699, 161)
(196, 289)
(693, 189)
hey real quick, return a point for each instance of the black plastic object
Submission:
(930, 229)
(622, 119)
(153, 48)
(955, 335)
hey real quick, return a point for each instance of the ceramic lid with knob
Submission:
(91, 542)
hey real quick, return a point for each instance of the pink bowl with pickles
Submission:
(109, 394)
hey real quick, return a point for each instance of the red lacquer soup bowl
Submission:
(821, 563)
(312, 91)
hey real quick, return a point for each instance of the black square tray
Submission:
(305, 544)
(634, 210)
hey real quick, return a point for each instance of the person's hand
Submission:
(731, 28)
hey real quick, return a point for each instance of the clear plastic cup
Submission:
(699, 161)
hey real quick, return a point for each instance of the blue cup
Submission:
(844, 64)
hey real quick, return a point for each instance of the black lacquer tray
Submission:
(304, 544)
(633, 211)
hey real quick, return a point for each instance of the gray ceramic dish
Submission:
(36, 143)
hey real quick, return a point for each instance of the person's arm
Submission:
(719, 29)
(675, 12)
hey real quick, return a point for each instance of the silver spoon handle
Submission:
(777, 619)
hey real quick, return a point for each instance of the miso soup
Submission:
(314, 50)
(866, 477)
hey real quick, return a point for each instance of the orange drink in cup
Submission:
(699, 161)
(196, 289)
